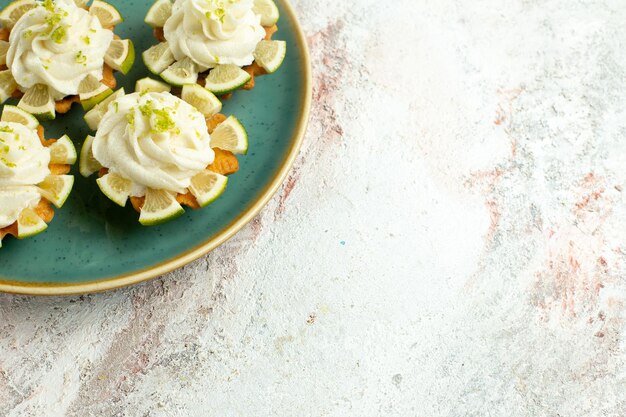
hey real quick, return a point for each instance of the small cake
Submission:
(161, 153)
(219, 44)
(33, 174)
(56, 53)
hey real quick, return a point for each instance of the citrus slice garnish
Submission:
(39, 102)
(121, 55)
(63, 151)
(270, 54)
(116, 187)
(107, 14)
(16, 115)
(231, 136)
(160, 207)
(207, 187)
(158, 58)
(159, 13)
(268, 11)
(181, 72)
(92, 92)
(226, 78)
(88, 164)
(14, 11)
(202, 99)
(148, 85)
(29, 224)
(56, 188)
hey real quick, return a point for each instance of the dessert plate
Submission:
(93, 245)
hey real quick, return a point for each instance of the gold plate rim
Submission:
(50, 289)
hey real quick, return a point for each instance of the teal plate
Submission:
(93, 245)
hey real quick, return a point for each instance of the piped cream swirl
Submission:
(213, 32)
(57, 44)
(156, 140)
(24, 163)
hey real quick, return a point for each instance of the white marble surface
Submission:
(450, 242)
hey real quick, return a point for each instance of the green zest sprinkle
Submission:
(48, 5)
(7, 163)
(86, 39)
(162, 119)
(81, 58)
(147, 108)
(164, 122)
(54, 19)
(59, 34)
(55, 30)
(219, 11)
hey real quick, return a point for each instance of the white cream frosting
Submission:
(24, 163)
(14, 201)
(57, 44)
(213, 32)
(156, 140)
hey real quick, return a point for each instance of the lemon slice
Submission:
(159, 13)
(93, 118)
(160, 207)
(39, 102)
(95, 115)
(106, 13)
(17, 115)
(207, 187)
(7, 85)
(29, 224)
(12, 13)
(4, 47)
(268, 11)
(115, 187)
(148, 85)
(226, 78)
(158, 57)
(181, 72)
(202, 99)
(63, 151)
(121, 55)
(88, 164)
(91, 92)
(81, 3)
(56, 188)
(270, 54)
(231, 136)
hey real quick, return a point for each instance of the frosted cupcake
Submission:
(219, 44)
(161, 153)
(33, 174)
(55, 53)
